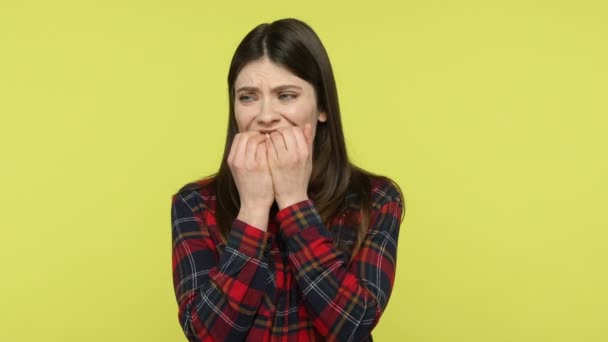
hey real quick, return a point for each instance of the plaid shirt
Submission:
(290, 283)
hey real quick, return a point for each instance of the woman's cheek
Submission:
(296, 114)
(244, 118)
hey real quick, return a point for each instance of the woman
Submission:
(288, 240)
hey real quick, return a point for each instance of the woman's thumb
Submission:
(308, 134)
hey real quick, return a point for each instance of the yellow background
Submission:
(491, 115)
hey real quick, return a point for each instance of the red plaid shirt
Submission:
(290, 283)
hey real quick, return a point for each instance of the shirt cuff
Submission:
(247, 239)
(297, 217)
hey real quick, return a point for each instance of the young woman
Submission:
(288, 241)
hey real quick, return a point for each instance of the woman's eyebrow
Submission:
(285, 86)
(246, 88)
(275, 89)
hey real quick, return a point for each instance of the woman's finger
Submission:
(279, 143)
(233, 148)
(252, 146)
(291, 146)
(302, 145)
(308, 134)
(241, 147)
(261, 153)
(271, 151)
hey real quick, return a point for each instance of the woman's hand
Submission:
(248, 164)
(290, 161)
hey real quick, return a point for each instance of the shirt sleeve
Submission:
(218, 292)
(346, 303)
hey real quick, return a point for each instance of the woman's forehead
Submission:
(265, 73)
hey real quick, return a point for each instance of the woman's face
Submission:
(268, 97)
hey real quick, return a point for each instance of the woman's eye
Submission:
(245, 98)
(287, 96)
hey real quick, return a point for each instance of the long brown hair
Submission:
(293, 44)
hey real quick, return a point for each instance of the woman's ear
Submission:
(322, 117)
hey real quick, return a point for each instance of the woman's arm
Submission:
(217, 296)
(346, 304)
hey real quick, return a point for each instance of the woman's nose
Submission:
(267, 113)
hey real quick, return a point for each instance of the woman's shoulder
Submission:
(202, 184)
(384, 189)
(199, 190)
(377, 188)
